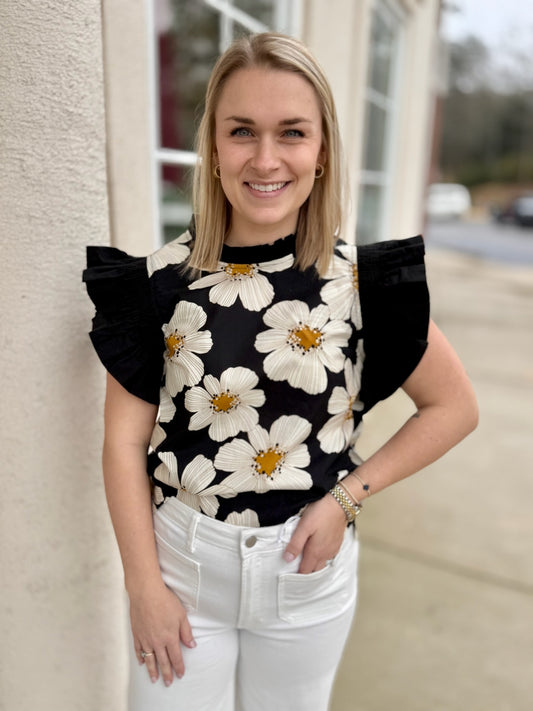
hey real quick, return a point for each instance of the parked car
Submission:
(447, 201)
(518, 212)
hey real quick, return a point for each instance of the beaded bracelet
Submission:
(350, 510)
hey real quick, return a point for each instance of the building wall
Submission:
(61, 619)
(128, 121)
(415, 119)
(338, 33)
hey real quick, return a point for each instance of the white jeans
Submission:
(267, 637)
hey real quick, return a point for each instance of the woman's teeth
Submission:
(267, 188)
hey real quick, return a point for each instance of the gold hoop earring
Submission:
(319, 171)
(216, 171)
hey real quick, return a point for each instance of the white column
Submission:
(61, 618)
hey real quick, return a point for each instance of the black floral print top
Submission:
(261, 372)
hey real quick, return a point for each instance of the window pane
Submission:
(176, 210)
(369, 215)
(376, 133)
(188, 49)
(262, 10)
(381, 98)
(383, 48)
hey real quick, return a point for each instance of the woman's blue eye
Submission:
(294, 133)
(240, 132)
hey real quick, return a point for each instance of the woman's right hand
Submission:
(159, 624)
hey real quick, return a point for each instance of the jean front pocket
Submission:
(180, 573)
(316, 597)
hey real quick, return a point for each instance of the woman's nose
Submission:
(266, 156)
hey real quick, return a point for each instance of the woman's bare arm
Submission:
(446, 413)
(158, 619)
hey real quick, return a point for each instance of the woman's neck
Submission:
(253, 237)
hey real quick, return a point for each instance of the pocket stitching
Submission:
(192, 566)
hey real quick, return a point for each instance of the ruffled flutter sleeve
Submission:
(126, 332)
(395, 311)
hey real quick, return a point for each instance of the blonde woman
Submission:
(241, 359)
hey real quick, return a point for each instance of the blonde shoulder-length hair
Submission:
(319, 220)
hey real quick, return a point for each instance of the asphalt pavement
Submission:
(502, 243)
(445, 612)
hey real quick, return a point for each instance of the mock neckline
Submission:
(259, 252)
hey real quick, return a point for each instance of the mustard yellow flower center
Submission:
(224, 402)
(174, 344)
(348, 415)
(267, 462)
(305, 337)
(355, 277)
(239, 271)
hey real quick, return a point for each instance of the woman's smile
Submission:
(267, 188)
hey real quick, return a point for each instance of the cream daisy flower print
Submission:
(354, 456)
(167, 410)
(341, 294)
(174, 252)
(336, 434)
(184, 339)
(269, 460)
(302, 344)
(226, 406)
(158, 496)
(247, 518)
(192, 485)
(244, 281)
(158, 436)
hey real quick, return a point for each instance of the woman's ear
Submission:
(322, 155)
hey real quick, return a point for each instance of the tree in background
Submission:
(487, 123)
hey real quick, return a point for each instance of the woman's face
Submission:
(268, 140)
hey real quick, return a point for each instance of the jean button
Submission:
(250, 542)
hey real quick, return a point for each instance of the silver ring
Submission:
(147, 654)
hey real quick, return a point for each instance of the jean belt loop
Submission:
(191, 534)
(287, 529)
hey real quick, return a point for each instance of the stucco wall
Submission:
(60, 620)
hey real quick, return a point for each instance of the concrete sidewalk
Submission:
(445, 615)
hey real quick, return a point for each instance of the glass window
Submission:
(374, 156)
(188, 38)
(264, 10)
(379, 119)
(381, 54)
(175, 200)
(188, 48)
(370, 208)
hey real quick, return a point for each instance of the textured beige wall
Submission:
(129, 128)
(60, 614)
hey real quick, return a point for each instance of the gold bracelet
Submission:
(350, 510)
(366, 487)
(352, 497)
(354, 505)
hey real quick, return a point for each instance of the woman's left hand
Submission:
(319, 535)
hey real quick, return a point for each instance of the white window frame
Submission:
(394, 15)
(287, 19)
